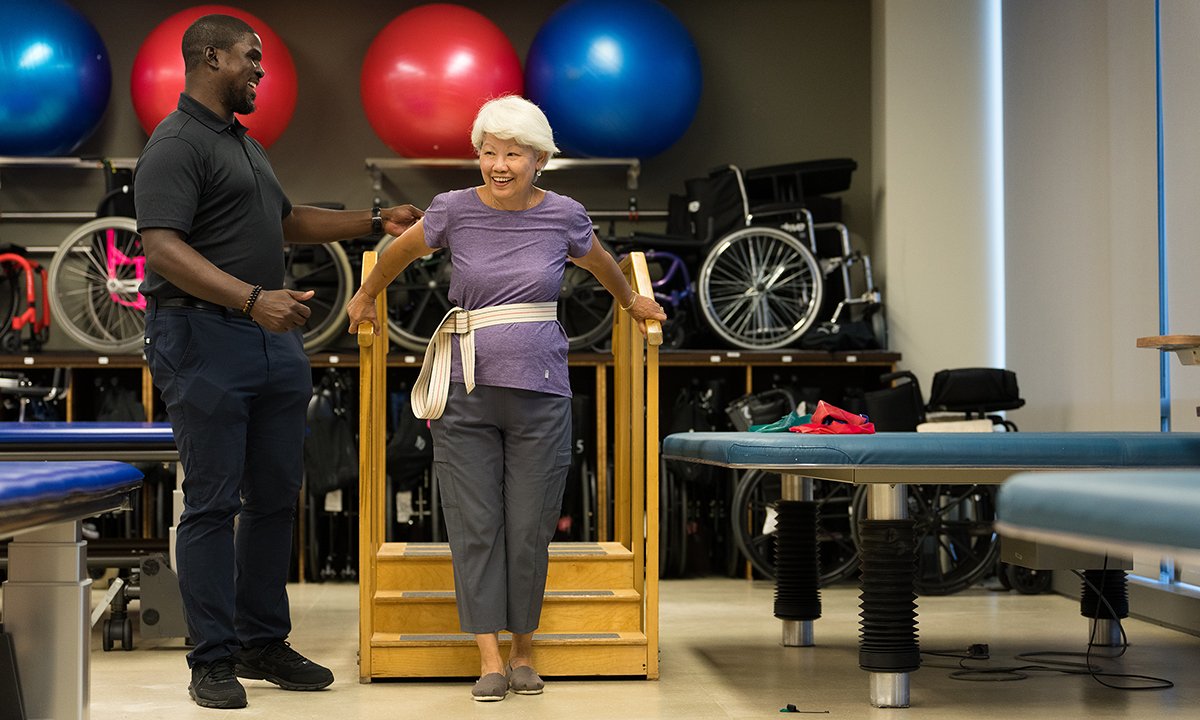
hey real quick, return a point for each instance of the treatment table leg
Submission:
(798, 633)
(888, 647)
(47, 604)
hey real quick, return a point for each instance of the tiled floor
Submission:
(720, 658)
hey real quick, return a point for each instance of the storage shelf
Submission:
(406, 358)
(81, 163)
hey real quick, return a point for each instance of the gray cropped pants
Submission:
(501, 457)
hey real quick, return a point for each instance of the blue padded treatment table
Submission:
(47, 597)
(886, 462)
(125, 441)
(1115, 511)
(37, 493)
(972, 458)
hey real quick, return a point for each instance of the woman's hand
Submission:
(361, 309)
(643, 309)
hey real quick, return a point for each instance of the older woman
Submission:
(502, 428)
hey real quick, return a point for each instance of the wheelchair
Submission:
(765, 272)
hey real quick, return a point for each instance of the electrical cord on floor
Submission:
(1041, 661)
(962, 670)
(1098, 674)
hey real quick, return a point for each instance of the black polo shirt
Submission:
(204, 177)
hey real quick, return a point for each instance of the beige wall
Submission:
(1081, 212)
(1078, 200)
(935, 184)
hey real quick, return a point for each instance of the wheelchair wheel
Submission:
(758, 491)
(585, 308)
(956, 544)
(760, 288)
(417, 300)
(672, 524)
(11, 283)
(326, 270)
(94, 279)
(878, 320)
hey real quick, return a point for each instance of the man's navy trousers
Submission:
(236, 395)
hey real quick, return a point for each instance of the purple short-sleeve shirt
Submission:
(500, 257)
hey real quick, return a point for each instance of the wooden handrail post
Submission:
(372, 429)
(635, 482)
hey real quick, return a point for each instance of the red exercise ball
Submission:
(426, 74)
(158, 75)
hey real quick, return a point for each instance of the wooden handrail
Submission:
(635, 481)
(372, 440)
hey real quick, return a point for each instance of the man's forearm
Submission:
(308, 225)
(179, 263)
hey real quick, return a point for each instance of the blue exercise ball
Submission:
(55, 78)
(616, 78)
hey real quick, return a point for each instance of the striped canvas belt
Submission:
(433, 383)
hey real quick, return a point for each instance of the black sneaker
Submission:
(278, 663)
(215, 686)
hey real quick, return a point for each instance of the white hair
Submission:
(514, 118)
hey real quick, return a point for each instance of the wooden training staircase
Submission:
(600, 614)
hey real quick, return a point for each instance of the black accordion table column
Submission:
(797, 568)
(888, 647)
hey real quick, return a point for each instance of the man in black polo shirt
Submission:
(224, 347)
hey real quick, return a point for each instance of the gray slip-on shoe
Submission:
(490, 688)
(524, 680)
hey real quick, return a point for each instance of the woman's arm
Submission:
(395, 257)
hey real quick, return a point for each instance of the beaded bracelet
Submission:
(632, 300)
(251, 300)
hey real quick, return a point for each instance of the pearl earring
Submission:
(538, 174)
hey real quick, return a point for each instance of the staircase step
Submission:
(573, 566)
(434, 611)
(556, 654)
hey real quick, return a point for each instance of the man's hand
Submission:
(281, 310)
(399, 218)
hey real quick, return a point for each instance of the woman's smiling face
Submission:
(508, 169)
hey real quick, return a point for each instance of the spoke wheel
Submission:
(12, 280)
(753, 503)
(417, 299)
(585, 308)
(760, 288)
(672, 525)
(326, 270)
(95, 310)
